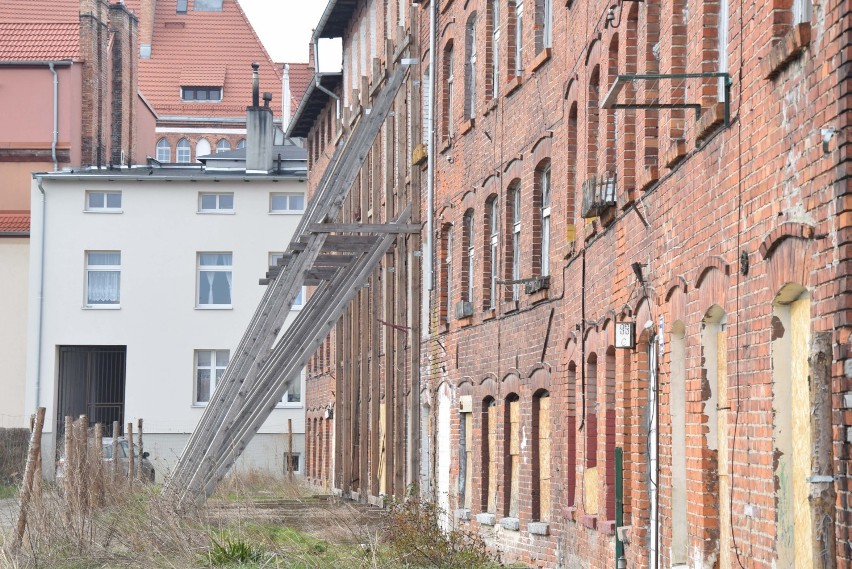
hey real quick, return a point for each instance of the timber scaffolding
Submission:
(338, 265)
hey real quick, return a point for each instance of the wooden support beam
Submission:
(335, 245)
(364, 228)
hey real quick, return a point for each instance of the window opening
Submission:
(214, 280)
(103, 278)
(164, 150)
(210, 366)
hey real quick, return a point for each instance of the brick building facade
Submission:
(360, 382)
(566, 211)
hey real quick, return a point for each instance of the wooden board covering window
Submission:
(493, 464)
(515, 454)
(544, 457)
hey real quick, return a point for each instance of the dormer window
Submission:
(201, 94)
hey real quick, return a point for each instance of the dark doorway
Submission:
(91, 383)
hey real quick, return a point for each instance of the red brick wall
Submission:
(686, 211)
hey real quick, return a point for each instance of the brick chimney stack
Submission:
(146, 27)
(123, 84)
(94, 39)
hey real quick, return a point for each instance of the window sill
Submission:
(489, 314)
(465, 322)
(289, 406)
(101, 307)
(538, 296)
(466, 126)
(215, 307)
(710, 120)
(486, 519)
(199, 405)
(608, 527)
(538, 528)
(649, 176)
(217, 212)
(513, 85)
(510, 306)
(102, 211)
(286, 212)
(490, 106)
(590, 522)
(511, 524)
(463, 514)
(786, 50)
(540, 59)
(675, 153)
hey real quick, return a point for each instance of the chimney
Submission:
(123, 84)
(311, 62)
(286, 100)
(259, 129)
(147, 9)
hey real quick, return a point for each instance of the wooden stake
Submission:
(29, 473)
(131, 464)
(290, 449)
(115, 463)
(69, 458)
(98, 483)
(141, 447)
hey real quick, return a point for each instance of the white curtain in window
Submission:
(104, 287)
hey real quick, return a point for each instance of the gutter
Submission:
(36, 63)
(40, 297)
(430, 152)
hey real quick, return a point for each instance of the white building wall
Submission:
(14, 260)
(159, 234)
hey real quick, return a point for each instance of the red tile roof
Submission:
(300, 78)
(33, 42)
(39, 30)
(14, 222)
(214, 46)
(40, 11)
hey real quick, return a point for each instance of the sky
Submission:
(284, 26)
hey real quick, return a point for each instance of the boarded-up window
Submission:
(541, 457)
(512, 443)
(490, 464)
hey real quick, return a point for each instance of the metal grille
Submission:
(91, 383)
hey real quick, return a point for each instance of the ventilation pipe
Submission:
(55, 118)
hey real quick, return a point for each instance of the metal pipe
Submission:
(40, 296)
(55, 117)
(430, 151)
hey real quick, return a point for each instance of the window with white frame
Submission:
(449, 262)
(299, 301)
(210, 202)
(495, 236)
(469, 233)
(295, 462)
(545, 220)
(451, 78)
(201, 94)
(103, 278)
(286, 203)
(516, 242)
(547, 24)
(164, 150)
(183, 152)
(293, 395)
(222, 146)
(210, 366)
(103, 201)
(495, 49)
(519, 37)
(241, 144)
(214, 280)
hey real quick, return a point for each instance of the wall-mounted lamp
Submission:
(610, 13)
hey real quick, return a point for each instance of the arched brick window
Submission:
(447, 118)
(183, 152)
(470, 68)
(512, 255)
(541, 456)
(543, 25)
(164, 150)
(611, 122)
(516, 38)
(492, 54)
(446, 273)
(467, 246)
(223, 146)
(592, 123)
(490, 241)
(490, 454)
(571, 436)
(609, 432)
(512, 456)
(541, 220)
